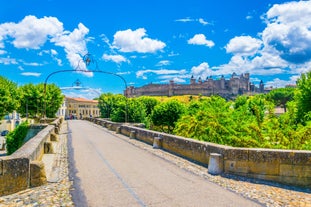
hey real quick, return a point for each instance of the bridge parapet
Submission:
(291, 167)
(15, 170)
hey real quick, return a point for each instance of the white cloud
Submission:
(187, 19)
(2, 52)
(33, 64)
(202, 21)
(163, 62)
(200, 39)
(8, 61)
(248, 17)
(278, 83)
(203, 70)
(243, 45)
(114, 58)
(31, 32)
(288, 31)
(74, 44)
(141, 73)
(136, 41)
(31, 74)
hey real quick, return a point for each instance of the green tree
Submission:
(303, 98)
(108, 102)
(135, 111)
(9, 99)
(166, 114)
(31, 100)
(149, 103)
(281, 96)
(53, 100)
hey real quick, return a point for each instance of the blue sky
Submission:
(153, 41)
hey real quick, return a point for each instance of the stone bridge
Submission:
(24, 168)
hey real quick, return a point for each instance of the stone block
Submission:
(295, 170)
(132, 134)
(233, 166)
(238, 154)
(263, 155)
(37, 174)
(215, 164)
(57, 129)
(264, 168)
(118, 130)
(48, 148)
(157, 142)
(54, 137)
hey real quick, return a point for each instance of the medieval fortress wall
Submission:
(236, 85)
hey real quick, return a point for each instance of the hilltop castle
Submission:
(236, 85)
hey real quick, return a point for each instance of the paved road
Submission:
(109, 171)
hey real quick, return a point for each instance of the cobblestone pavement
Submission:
(58, 194)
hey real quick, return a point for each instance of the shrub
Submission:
(15, 139)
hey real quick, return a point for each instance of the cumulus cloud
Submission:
(203, 70)
(243, 45)
(288, 31)
(74, 44)
(136, 41)
(279, 83)
(114, 58)
(31, 32)
(200, 39)
(142, 73)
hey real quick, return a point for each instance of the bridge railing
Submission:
(283, 166)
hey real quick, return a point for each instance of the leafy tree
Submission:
(31, 100)
(166, 114)
(53, 100)
(9, 100)
(135, 111)
(108, 102)
(149, 103)
(303, 98)
(281, 96)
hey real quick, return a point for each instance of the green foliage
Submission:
(135, 111)
(109, 102)
(166, 114)
(303, 97)
(149, 103)
(54, 99)
(281, 96)
(15, 139)
(33, 104)
(9, 100)
(31, 101)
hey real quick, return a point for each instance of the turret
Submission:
(192, 80)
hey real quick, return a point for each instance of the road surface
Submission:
(109, 171)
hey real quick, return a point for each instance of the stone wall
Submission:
(15, 174)
(291, 167)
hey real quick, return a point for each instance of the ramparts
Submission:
(17, 171)
(291, 167)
